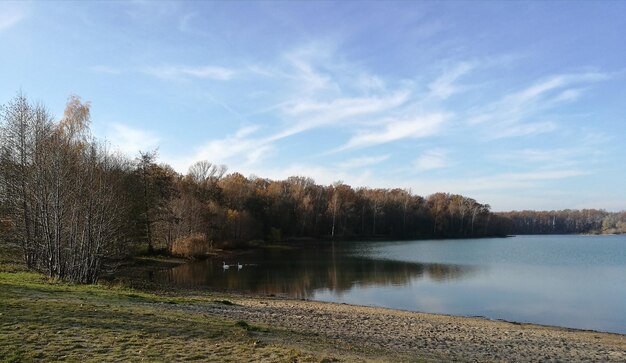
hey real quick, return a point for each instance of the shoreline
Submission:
(431, 336)
(405, 334)
(242, 295)
(373, 332)
(148, 263)
(227, 325)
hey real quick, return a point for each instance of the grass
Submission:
(42, 319)
(9, 259)
(243, 324)
(48, 320)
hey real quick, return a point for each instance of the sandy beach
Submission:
(409, 335)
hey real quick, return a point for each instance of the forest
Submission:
(591, 221)
(72, 204)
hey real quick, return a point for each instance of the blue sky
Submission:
(521, 105)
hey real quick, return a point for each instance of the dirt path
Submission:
(427, 336)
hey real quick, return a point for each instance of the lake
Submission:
(565, 280)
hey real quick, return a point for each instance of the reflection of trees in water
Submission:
(299, 273)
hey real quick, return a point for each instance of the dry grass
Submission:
(192, 246)
(47, 320)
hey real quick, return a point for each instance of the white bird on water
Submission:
(239, 266)
(224, 265)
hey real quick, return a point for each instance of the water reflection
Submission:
(299, 273)
(573, 281)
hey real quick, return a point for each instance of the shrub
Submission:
(192, 246)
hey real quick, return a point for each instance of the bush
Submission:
(193, 246)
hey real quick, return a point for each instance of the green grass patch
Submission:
(10, 258)
(43, 319)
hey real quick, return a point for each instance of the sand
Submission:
(423, 336)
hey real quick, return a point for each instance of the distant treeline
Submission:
(564, 221)
(71, 203)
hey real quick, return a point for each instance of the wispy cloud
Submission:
(242, 145)
(394, 130)
(185, 72)
(586, 152)
(510, 181)
(432, 159)
(515, 114)
(518, 181)
(445, 85)
(554, 82)
(314, 88)
(10, 16)
(304, 116)
(310, 114)
(131, 140)
(569, 95)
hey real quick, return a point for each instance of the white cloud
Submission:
(313, 88)
(310, 114)
(239, 147)
(362, 161)
(131, 140)
(349, 106)
(509, 116)
(432, 159)
(182, 72)
(521, 103)
(444, 86)
(569, 95)
(394, 130)
(323, 91)
(555, 82)
(303, 62)
(506, 181)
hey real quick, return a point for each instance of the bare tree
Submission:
(60, 187)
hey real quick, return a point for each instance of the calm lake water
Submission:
(572, 281)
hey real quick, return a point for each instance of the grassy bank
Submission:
(49, 320)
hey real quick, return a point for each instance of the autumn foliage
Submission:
(73, 205)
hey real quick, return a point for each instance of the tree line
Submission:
(71, 203)
(566, 221)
